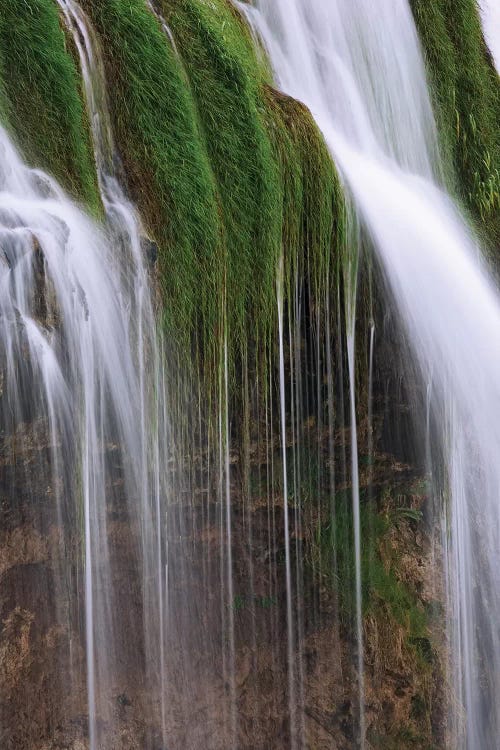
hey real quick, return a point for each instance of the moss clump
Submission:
(313, 202)
(225, 77)
(41, 96)
(381, 585)
(466, 92)
(156, 129)
(225, 171)
(278, 189)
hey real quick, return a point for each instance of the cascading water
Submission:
(173, 625)
(359, 69)
(77, 335)
(81, 364)
(245, 624)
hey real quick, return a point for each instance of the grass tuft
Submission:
(41, 101)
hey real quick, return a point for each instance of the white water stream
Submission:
(358, 66)
(79, 357)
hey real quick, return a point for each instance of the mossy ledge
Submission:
(40, 98)
(229, 176)
(208, 152)
(466, 91)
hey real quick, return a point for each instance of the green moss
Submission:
(41, 101)
(313, 202)
(225, 171)
(466, 92)
(400, 737)
(224, 76)
(156, 129)
(381, 587)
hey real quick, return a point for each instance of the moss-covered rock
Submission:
(161, 145)
(224, 76)
(41, 100)
(225, 171)
(466, 91)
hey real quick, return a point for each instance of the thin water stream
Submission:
(359, 68)
(81, 357)
(81, 361)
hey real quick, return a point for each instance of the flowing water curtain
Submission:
(147, 458)
(371, 102)
(175, 616)
(83, 360)
(370, 98)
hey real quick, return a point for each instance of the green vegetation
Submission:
(277, 185)
(227, 173)
(382, 589)
(397, 624)
(401, 737)
(159, 139)
(329, 552)
(224, 77)
(41, 96)
(467, 100)
(313, 203)
(389, 516)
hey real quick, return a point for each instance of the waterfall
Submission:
(81, 365)
(208, 538)
(359, 68)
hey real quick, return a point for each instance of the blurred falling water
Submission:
(175, 617)
(358, 67)
(80, 359)
(81, 362)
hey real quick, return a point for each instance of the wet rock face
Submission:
(43, 691)
(36, 652)
(44, 304)
(43, 672)
(403, 685)
(150, 250)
